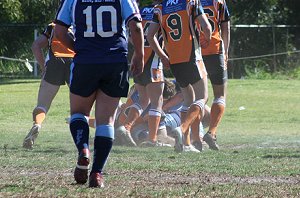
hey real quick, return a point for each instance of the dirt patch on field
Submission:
(164, 178)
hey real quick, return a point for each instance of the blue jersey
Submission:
(99, 28)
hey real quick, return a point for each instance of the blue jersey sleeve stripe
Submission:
(134, 5)
(63, 13)
(59, 8)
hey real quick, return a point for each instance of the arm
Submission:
(225, 34)
(153, 42)
(206, 27)
(175, 100)
(37, 49)
(61, 33)
(137, 38)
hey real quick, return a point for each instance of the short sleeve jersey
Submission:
(99, 28)
(217, 13)
(55, 46)
(177, 21)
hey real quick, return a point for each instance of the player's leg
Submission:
(197, 128)
(154, 91)
(135, 111)
(49, 86)
(82, 96)
(218, 76)
(46, 94)
(218, 107)
(107, 100)
(79, 127)
(200, 90)
(106, 107)
(216, 114)
(195, 133)
(188, 98)
(206, 119)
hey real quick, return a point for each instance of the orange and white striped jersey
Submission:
(177, 21)
(217, 13)
(57, 48)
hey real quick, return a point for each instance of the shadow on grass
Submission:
(283, 154)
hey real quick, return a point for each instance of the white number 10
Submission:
(113, 17)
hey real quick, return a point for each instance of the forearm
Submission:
(175, 100)
(225, 34)
(37, 47)
(154, 44)
(205, 25)
(39, 56)
(137, 37)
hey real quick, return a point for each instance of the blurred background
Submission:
(265, 37)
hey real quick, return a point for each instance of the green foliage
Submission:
(19, 18)
(10, 11)
(247, 42)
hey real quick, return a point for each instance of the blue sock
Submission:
(79, 128)
(102, 146)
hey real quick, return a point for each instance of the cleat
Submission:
(96, 180)
(178, 140)
(125, 136)
(190, 148)
(154, 144)
(211, 141)
(82, 167)
(31, 136)
(198, 145)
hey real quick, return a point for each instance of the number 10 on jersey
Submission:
(99, 21)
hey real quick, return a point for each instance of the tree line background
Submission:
(19, 19)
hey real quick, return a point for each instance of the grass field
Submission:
(259, 156)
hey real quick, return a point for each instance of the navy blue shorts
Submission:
(215, 67)
(112, 79)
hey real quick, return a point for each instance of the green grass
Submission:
(259, 156)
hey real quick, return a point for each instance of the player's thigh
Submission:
(47, 92)
(219, 90)
(216, 69)
(105, 108)
(188, 95)
(80, 104)
(201, 89)
(155, 91)
(143, 96)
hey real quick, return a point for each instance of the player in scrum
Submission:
(55, 69)
(177, 19)
(150, 85)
